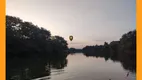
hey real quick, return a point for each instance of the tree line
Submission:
(24, 39)
(123, 50)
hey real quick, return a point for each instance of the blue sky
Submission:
(89, 21)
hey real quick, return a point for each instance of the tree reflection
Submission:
(26, 69)
(123, 51)
(126, 61)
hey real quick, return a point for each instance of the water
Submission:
(80, 67)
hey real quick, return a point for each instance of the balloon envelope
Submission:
(71, 38)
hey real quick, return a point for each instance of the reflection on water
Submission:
(74, 67)
(26, 69)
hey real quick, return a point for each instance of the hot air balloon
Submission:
(71, 38)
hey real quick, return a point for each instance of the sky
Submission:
(90, 22)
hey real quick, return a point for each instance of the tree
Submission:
(24, 39)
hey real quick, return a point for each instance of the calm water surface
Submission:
(80, 67)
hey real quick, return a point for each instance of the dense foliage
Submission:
(24, 39)
(123, 50)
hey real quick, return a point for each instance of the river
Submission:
(80, 67)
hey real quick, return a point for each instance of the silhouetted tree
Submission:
(26, 39)
(123, 50)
